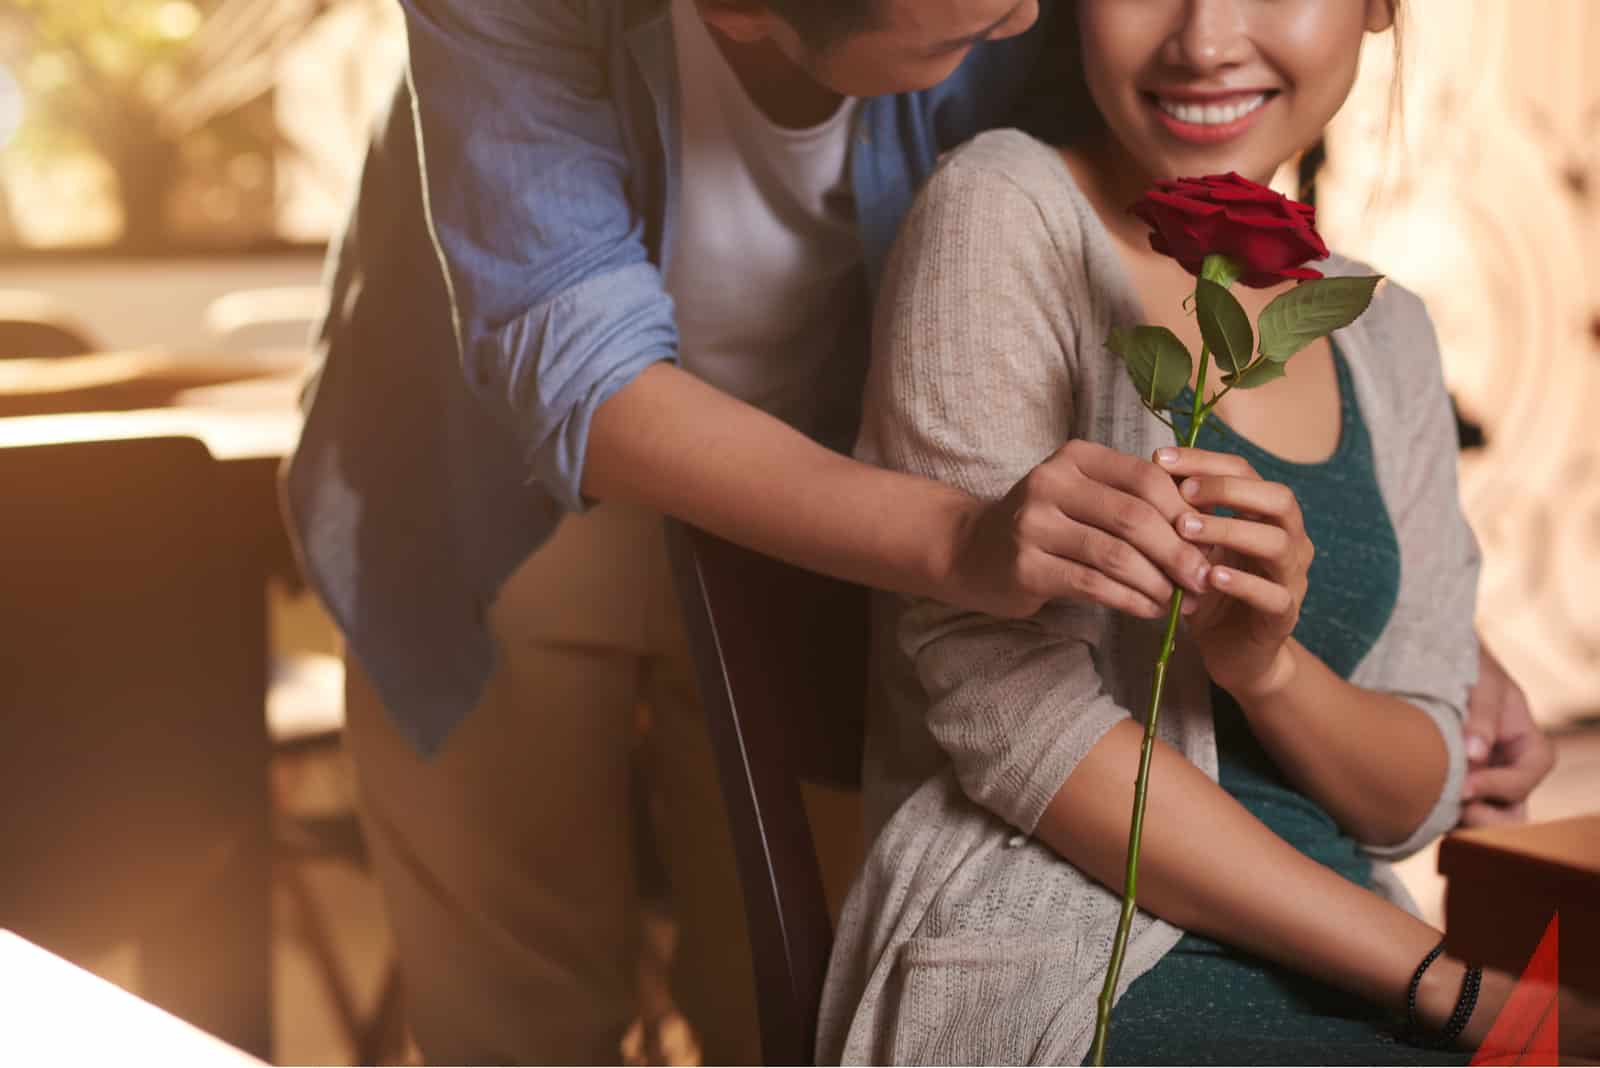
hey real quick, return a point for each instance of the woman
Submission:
(1313, 712)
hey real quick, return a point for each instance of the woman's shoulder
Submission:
(1396, 336)
(1009, 155)
(1010, 170)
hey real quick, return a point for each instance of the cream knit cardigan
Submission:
(964, 940)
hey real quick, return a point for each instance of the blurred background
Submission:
(171, 172)
(195, 146)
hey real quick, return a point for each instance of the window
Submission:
(155, 126)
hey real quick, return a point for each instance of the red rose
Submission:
(1268, 235)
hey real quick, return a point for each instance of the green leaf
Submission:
(1311, 310)
(1256, 375)
(1224, 325)
(1156, 360)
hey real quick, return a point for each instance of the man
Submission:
(619, 251)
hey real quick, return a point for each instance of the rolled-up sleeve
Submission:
(1428, 653)
(969, 386)
(526, 176)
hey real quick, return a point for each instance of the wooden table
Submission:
(58, 1014)
(80, 738)
(130, 379)
(1505, 883)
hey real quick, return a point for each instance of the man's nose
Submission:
(1021, 22)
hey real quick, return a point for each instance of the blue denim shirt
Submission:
(531, 152)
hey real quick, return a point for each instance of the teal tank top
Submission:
(1206, 1003)
(1353, 583)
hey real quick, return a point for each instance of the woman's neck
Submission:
(1112, 182)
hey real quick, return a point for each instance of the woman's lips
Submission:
(1212, 120)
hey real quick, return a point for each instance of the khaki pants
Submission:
(507, 861)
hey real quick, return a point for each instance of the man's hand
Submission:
(1088, 524)
(1507, 754)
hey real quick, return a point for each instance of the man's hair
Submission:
(821, 22)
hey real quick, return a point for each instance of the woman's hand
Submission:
(1090, 524)
(1260, 558)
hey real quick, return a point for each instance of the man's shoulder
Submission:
(605, 20)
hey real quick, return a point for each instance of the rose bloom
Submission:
(1268, 235)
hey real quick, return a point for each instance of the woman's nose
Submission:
(1210, 35)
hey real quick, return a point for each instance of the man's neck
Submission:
(784, 92)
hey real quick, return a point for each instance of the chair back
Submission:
(781, 658)
(132, 736)
(276, 317)
(34, 324)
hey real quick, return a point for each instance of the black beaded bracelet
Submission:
(1414, 1025)
(1466, 1002)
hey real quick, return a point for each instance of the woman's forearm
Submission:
(1209, 866)
(1375, 762)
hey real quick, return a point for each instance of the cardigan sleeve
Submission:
(970, 386)
(1428, 653)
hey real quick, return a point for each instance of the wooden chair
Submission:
(276, 317)
(305, 721)
(133, 745)
(35, 324)
(780, 656)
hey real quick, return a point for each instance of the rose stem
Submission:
(1147, 750)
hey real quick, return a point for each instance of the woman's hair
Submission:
(821, 22)
(1315, 157)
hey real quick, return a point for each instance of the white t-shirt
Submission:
(763, 264)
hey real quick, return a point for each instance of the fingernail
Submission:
(1167, 456)
(1190, 524)
(1477, 748)
(1201, 576)
(1191, 487)
(1221, 576)
(1466, 790)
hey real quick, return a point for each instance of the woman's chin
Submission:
(1171, 162)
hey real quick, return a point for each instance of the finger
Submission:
(1132, 501)
(1180, 462)
(1262, 594)
(1249, 496)
(1071, 580)
(1505, 784)
(1483, 721)
(1486, 705)
(1484, 814)
(1259, 541)
(1133, 476)
(1116, 559)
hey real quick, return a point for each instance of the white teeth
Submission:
(1211, 114)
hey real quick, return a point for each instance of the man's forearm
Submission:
(672, 443)
(1375, 762)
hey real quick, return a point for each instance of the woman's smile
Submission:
(1208, 118)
